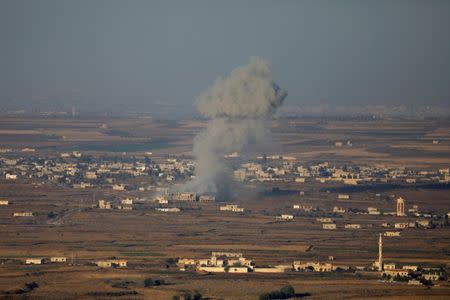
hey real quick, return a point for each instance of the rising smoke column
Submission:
(238, 107)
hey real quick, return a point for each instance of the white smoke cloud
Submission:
(238, 107)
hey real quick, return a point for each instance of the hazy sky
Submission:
(132, 54)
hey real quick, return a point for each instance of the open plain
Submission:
(67, 222)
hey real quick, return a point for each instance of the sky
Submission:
(147, 55)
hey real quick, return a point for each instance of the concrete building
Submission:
(352, 226)
(276, 269)
(313, 266)
(207, 198)
(118, 187)
(401, 225)
(183, 196)
(23, 214)
(373, 211)
(58, 259)
(396, 272)
(112, 263)
(103, 204)
(431, 276)
(168, 209)
(285, 217)
(400, 207)
(127, 201)
(237, 270)
(33, 261)
(231, 207)
(329, 226)
(389, 266)
(392, 233)
(412, 268)
(423, 223)
(11, 176)
(339, 210)
(90, 175)
(211, 269)
(324, 220)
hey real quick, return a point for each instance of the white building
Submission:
(58, 259)
(329, 226)
(33, 261)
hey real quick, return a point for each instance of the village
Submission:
(122, 178)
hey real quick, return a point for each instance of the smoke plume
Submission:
(238, 107)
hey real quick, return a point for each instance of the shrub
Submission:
(187, 296)
(197, 296)
(150, 282)
(285, 292)
(288, 291)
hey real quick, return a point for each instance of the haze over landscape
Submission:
(157, 56)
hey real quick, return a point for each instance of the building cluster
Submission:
(74, 169)
(40, 261)
(219, 262)
(287, 169)
(125, 204)
(423, 220)
(112, 263)
(165, 197)
(231, 207)
(414, 274)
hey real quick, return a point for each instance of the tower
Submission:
(380, 253)
(400, 207)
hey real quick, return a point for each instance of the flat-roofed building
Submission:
(207, 198)
(352, 226)
(285, 217)
(103, 204)
(211, 269)
(329, 226)
(389, 266)
(269, 270)
(396, 272)
(118, 187)
(90, 175)
(401, 225)
(313, 266)
(392, 233)
(33, 261)
(339, 210)
(23, 214)
(231, 207)
(58, 259)
(324, 220)
(412, 268)
(183, 196)
(237, 270)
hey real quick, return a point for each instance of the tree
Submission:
(197, 296)
(150, 282)
(187, 296)
(288, 291)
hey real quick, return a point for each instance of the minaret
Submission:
(380, 253)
